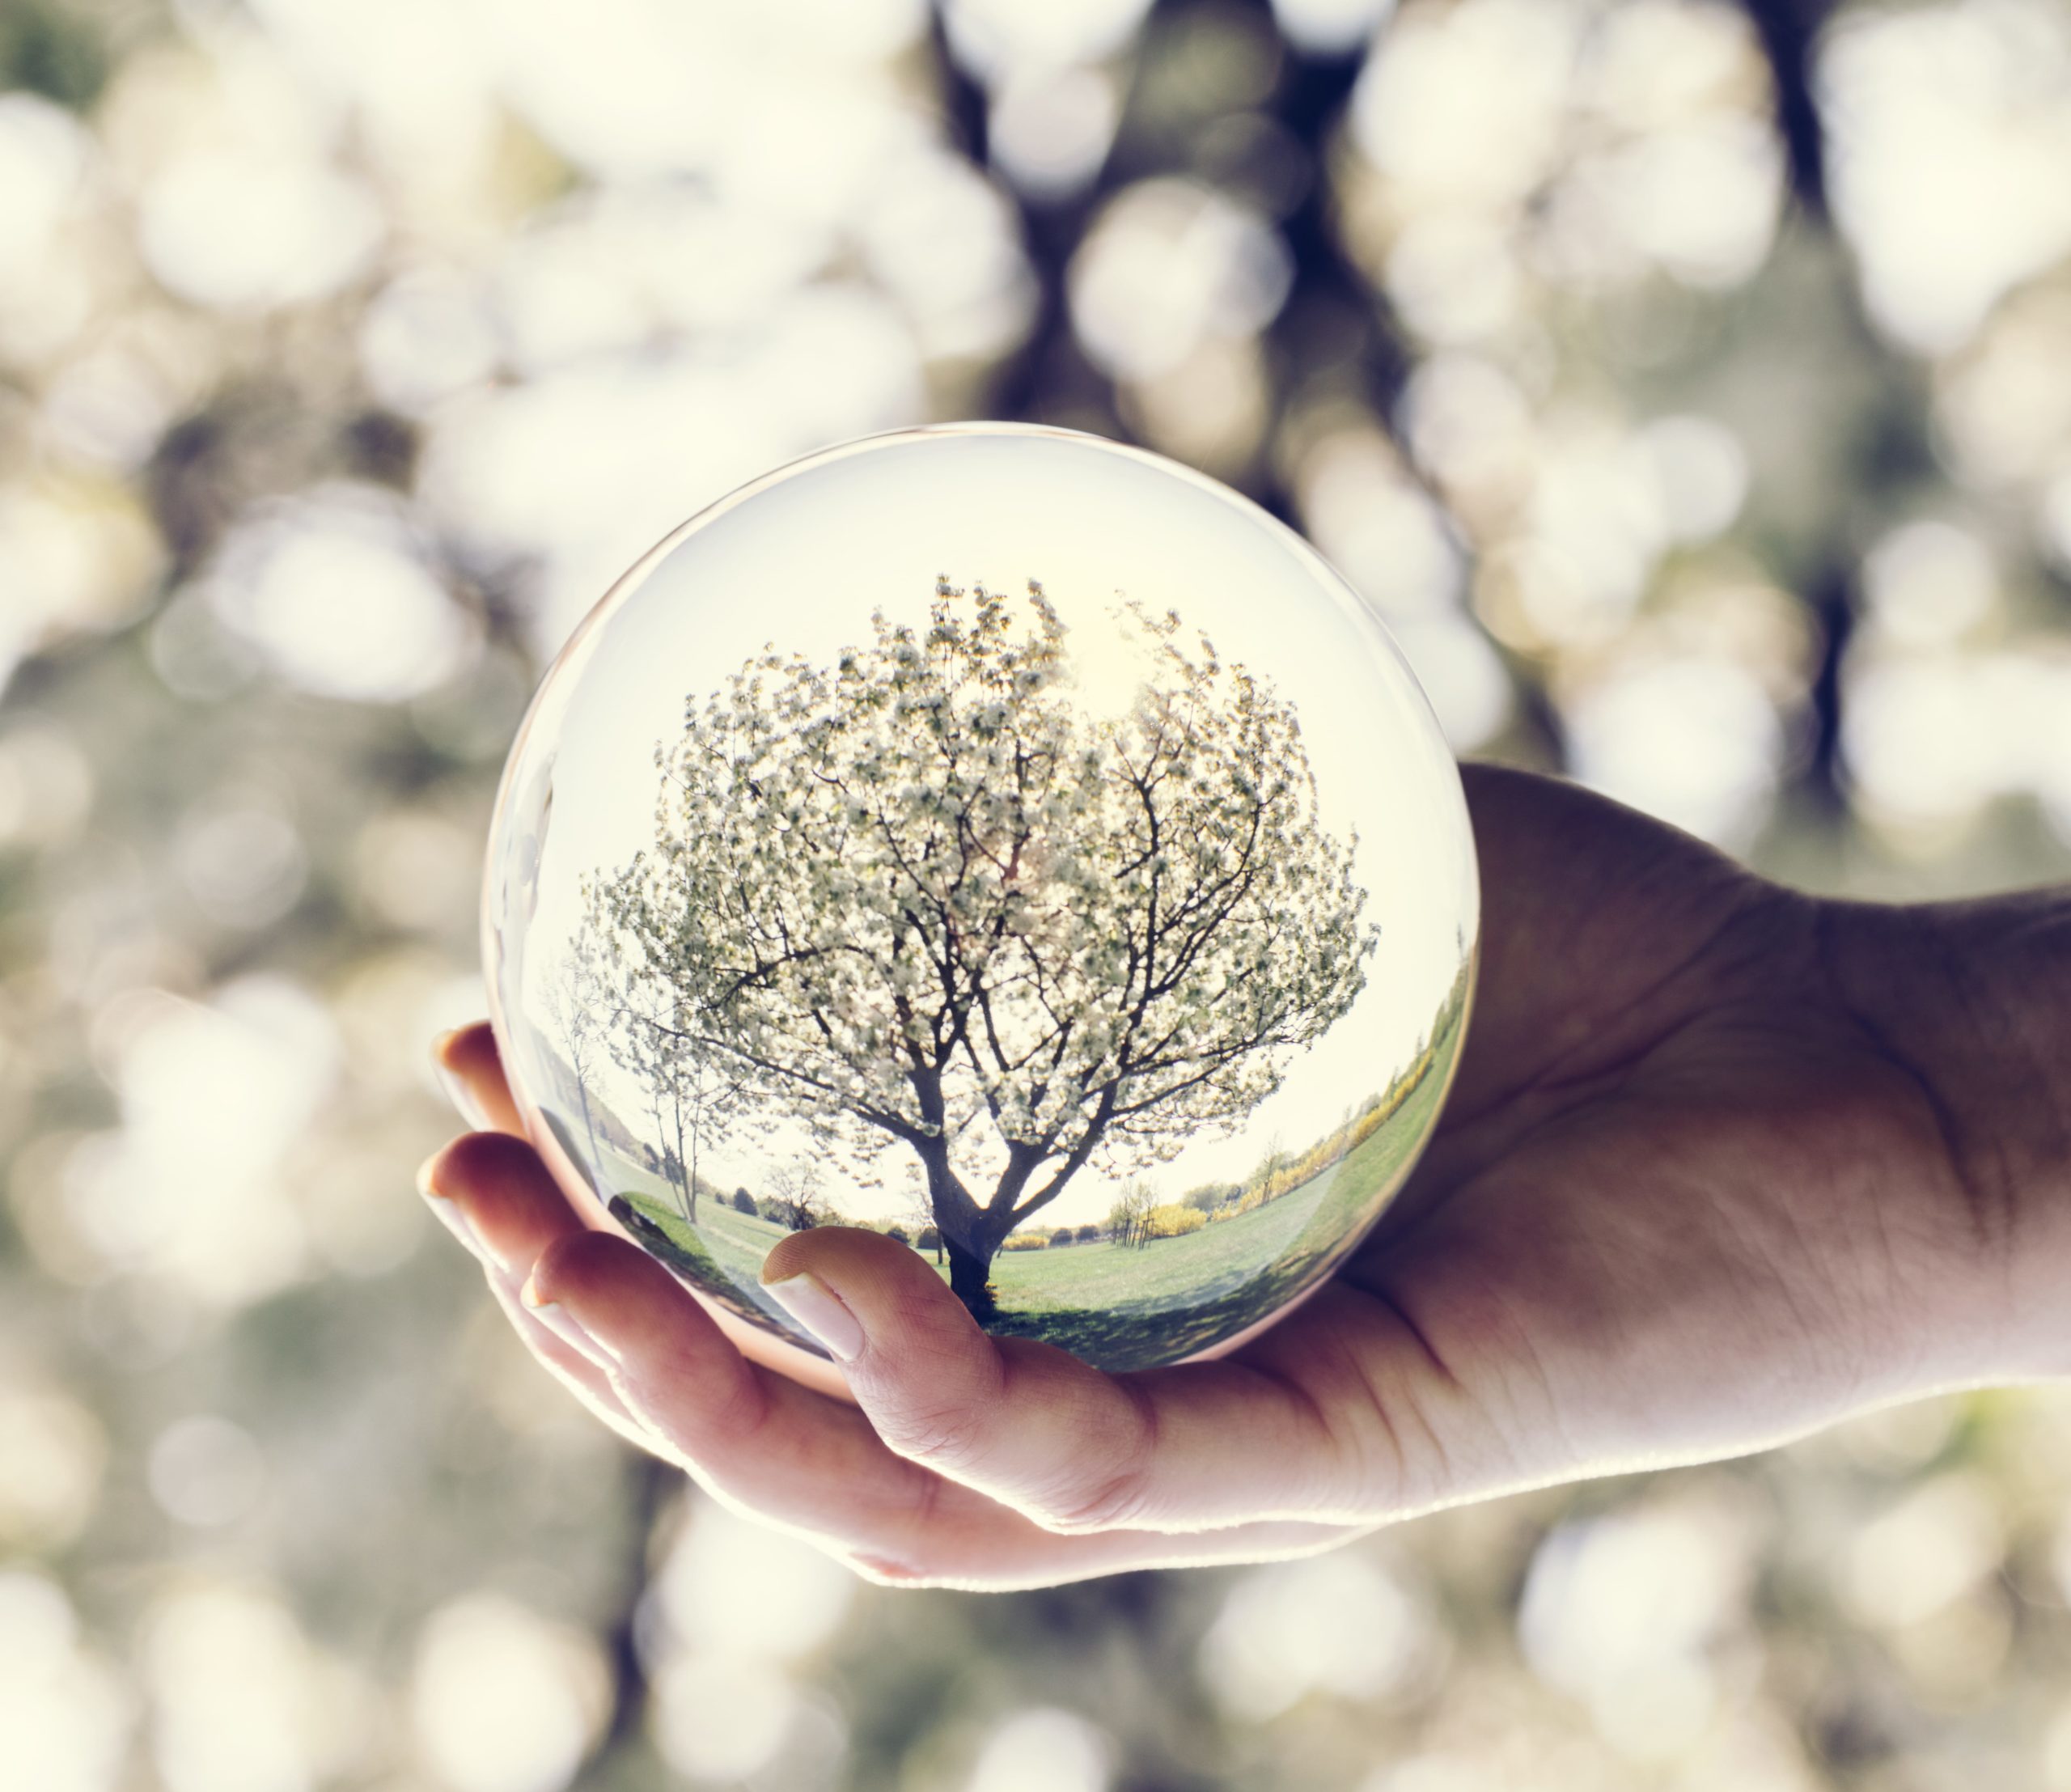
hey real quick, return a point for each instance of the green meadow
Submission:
(1118, 1307)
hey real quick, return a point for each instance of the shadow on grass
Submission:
(684, 1252)
(1123, 1337)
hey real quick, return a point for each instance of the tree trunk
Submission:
(590, 1127)
(669, 1168)
(964, 1229)
(689, 1163)
(968, 1279)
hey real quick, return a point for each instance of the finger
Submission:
(754, 1437)
(572, 1368)
(1029, 1425)
(667, 1369)
(492, 1193)
(779, 1452)
(471, 1073)
(498, 1199)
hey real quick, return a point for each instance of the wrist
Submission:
(1970, 1004)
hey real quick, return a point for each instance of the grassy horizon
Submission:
(1118, 1307)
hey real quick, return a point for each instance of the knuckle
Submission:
(736, 1418)
(946, 1437)
(1106, 1488)
(708, 1423)
(1101, 1502)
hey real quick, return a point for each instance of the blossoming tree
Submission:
(926, 900)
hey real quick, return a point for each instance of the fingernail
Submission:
(817, 1307)
(454, 1221)
(456, 1090)
(563, 1324)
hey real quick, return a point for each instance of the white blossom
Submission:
(920, 897)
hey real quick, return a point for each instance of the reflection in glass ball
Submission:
(1010, 841)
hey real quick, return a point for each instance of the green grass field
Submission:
(1118, 1307)
(722, 1254)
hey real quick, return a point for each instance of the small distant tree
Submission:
(1062, 1235)
(1270, 1179)
(1089, 1234)
(897, 1234)
(917, 1215)
(574, 1002)
(795, 1198)
(744, 1203)
(692, 1090)
(1129, 1220)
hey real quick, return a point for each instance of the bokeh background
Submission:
(1688, 383)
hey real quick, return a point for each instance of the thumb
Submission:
(995, 1415)
(882, 1312)
(1028, 1424)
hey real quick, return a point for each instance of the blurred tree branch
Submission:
(1789, 29)
(1333, 330)
(1329, 304)
(649, 1482)
(1790, 32)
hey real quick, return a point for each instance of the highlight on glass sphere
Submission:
(1010, 841)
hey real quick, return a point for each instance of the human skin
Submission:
(1724, 1163)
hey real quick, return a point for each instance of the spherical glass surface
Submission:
(1013, 842)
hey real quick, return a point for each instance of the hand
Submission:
(1691, 1196)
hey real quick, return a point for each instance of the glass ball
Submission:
(1010, 841)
